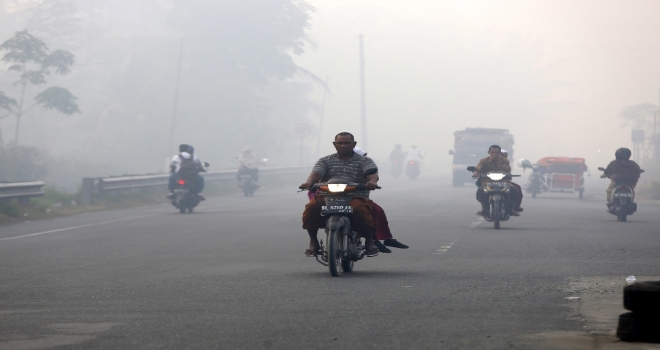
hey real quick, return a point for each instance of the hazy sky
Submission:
(556, 73)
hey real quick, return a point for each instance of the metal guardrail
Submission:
(117, 183)
(10, 190)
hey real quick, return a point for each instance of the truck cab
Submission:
(470, 145)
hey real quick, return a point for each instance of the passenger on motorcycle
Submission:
(192, 165)
(517, 206)
(351, 166)
(248, 164)
(414, 154)
(494, 162)
(622, 171)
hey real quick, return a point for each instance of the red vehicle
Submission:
(558, 174)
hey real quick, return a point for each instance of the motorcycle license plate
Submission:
(180, 190)
(628, 195)
(336, 209)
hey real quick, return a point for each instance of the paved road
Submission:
(233, 276)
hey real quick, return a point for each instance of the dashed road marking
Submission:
(445, 248)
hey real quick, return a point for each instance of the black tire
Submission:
(190, 210)
(347, 264)
(635, 327)
(334, 253)
(182, 210)
(581, 195)
(495, 212)
(642, 297)
(622, 217)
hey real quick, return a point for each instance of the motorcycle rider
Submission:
(343, 164)
(248, 164)
(621, 170)
(414, 154)
(494, 162)
(185, 153)
(380, 221)
(516, 205)
(397, 157)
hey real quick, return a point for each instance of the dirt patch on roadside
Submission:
(599, 307)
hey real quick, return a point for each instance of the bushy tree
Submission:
(30, 57)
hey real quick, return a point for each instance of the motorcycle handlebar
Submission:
(315, 187)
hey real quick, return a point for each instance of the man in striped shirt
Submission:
(351, 166)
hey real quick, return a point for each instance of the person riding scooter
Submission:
(494, 162)
(622, 170)
(397, 157)
(248, 164)
(192, 166)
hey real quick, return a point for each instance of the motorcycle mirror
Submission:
(601, 168)
(206, 164)
(472, 168)
(371, 171)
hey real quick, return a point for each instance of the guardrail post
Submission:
(87, 190)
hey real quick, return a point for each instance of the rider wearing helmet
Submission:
(621, 171)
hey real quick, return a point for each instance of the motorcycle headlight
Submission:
(337, 187)
(495, 176)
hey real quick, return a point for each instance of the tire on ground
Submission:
(642, 297)
(635, 327)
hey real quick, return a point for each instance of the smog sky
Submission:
(556, 73)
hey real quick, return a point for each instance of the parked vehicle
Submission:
(622, 203)
(497, 192)
(343, 245)
(472, 144)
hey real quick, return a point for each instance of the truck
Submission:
(471, 144)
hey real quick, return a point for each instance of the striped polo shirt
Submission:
(333, 167)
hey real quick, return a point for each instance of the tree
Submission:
(30, 57)
(640, 116)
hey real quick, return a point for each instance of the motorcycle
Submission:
(536, 181)
(498, 195)
(247, 179)
(412, 169)
(185, 193)
(343, 245)
(622, 203)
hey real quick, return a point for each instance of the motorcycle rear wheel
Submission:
(495, 212)
(334, 252)
(622, 218)
(182, 210)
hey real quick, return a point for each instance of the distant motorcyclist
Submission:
(414, 154)
(494, 162)
(248, 164)
(621, 171)
(397, 157)
(191, 166)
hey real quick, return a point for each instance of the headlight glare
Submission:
(337, 187)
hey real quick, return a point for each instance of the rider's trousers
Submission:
(361, 218)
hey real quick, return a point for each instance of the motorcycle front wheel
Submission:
(496, 214)
(334, 252)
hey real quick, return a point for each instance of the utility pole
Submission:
(318, 142)
(363, 103)
(176, 98)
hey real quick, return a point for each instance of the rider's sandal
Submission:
(372, 252)
(310, 253)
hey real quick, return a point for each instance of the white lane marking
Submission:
(76, 227)
(476, 223)
(445, 247)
